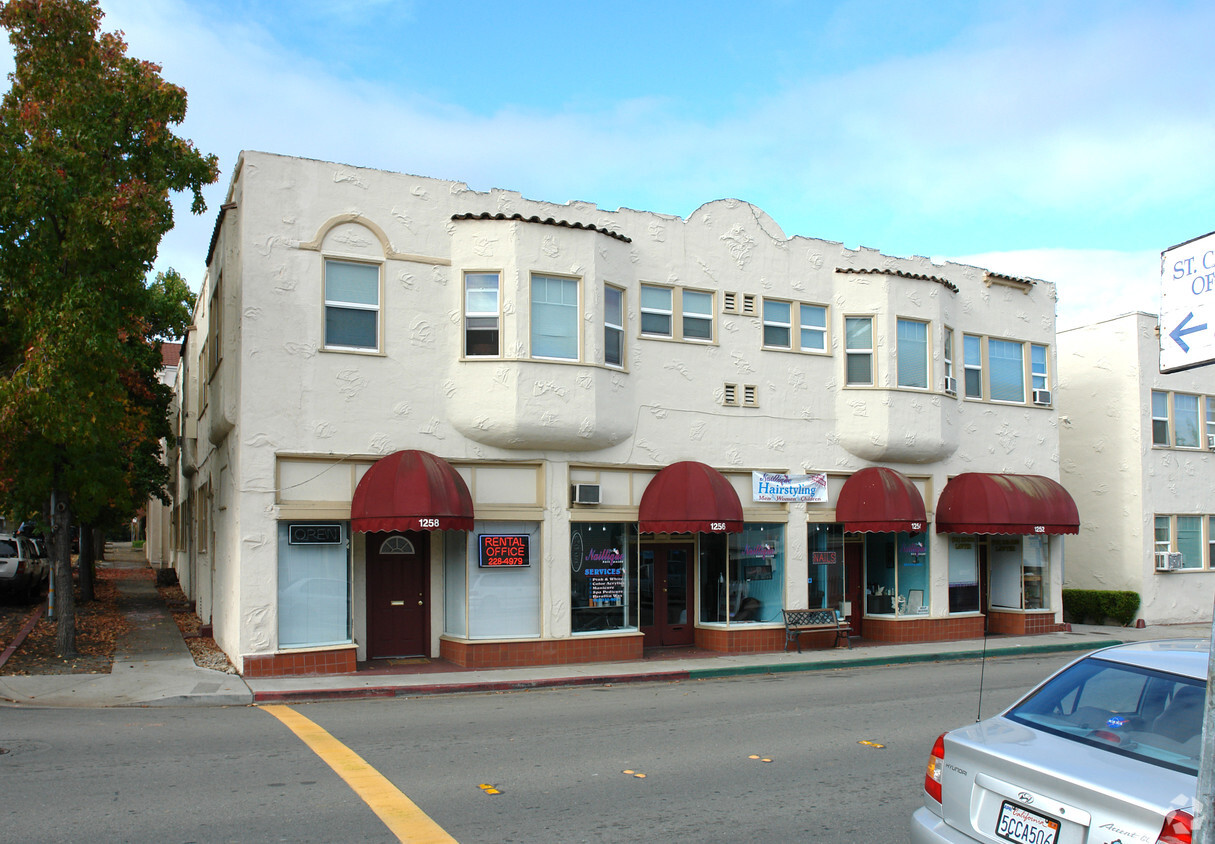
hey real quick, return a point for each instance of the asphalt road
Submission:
(811, 757)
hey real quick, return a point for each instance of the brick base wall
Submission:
(743, 640)
(1023, 624)
(329, 661)
(922, 629)
(551, 652)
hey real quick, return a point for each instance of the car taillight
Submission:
(932, 776)
(1177, 829)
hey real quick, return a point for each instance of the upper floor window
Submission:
(1007, 370)
(811, 325)
(661, 305)
(352, 305)
(1183, 535)
(858, 348)
(814, 327)
(697, 315)
(481, 315)
(656, 313)
(1160, 419)
(613, 325)
(947, 360)
(1185, 420)
(778, 325)
(554, 317)
(972, 365)
(913, 353)
(1039, 370)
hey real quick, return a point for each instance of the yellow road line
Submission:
(400, 814)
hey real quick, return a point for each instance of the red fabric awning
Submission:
(411, 490)
(690, 497)
(977, 502)
(880, 500)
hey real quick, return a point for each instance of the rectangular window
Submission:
(1164, 536)
(613, 325)
(963, 574)
(352, 305)
(1038, 367)
(972, 365)
(656, 312)
(481, 314)
(814, 328)
(947, 357)
(757, 574)
(697, 315)
(603, 577)
(1160, 418)
(858, 347)
(313, 591)
(554, 317)
(825, 583)
(503, 601)
(1210, 416)
(1211, 542)
(1007, 370)
(1189, 541)
(913, 353)
(778, 326)
(1185, 420)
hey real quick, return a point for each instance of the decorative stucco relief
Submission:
(402, 218)
(483, 423)
(584, 380)
(268, 245)
(586, 428)
(258, 629)
(381, 444)
(775, 444)
(439, 275)
(740, 245)
(796, 378)
(733, 456)
(859, 407)
(657, 412)
(402, 409)
(449, 387)
(505, 204)
(652, 450)
(657, 232)
(541, 388)
(350, 383)
(420, 192)
(815, 260)
(484, 246)
(324, 430)
(698, 431)
(432, 429)
(549, 246)
(252, 313)
(260, 440)
(300, 350)
(348, 236)
(741, 364)
(345, 177)
(421, 333)
(680, 367)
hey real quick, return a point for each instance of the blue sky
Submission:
(1070, 141)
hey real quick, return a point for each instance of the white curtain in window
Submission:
(554, 317)
(1007, 370)
(913, 354)
(313, 592)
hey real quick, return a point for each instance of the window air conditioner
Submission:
(1042, 397)
(586, 493)
(1211, 441)
(951, 385)
(1168, 561)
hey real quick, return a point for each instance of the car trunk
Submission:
(1037, 788)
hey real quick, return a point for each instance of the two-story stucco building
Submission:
(1139, 459)
(419, 419)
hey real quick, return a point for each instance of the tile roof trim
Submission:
(948, 285)
(548, 221)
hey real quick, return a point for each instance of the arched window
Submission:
(397, 545)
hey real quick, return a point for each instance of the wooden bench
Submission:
(798, 622)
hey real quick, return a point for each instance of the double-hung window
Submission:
(554, 317)
(858, 349)
(778, 326)
(481, 315)
(613, 325)
(697, 315)
(913, 353)
(656, 313)
(972, 365)
(1038, 367)
(352, 305)
(814, 328)
(1160, 418)
(1007, 363)
(947, 361)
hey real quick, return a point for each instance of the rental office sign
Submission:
(1187, 304)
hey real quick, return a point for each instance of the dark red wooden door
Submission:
(667, 595)
(398, 593)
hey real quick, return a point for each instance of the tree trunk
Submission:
(61, 554)
(84, 564)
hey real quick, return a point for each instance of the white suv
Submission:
(24, 568)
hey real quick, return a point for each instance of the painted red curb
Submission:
(471, 688)
(21, 634)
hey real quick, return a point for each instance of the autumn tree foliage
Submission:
(89, 160)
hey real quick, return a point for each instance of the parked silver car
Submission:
(1105, 750)
(24, 566)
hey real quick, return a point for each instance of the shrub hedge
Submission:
(1094, 606)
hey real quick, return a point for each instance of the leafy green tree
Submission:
(90, 161)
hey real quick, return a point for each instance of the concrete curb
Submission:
(498, 686)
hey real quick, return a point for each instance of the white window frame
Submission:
(773, 322)
(1039, 375)
(922, 376)
(851, 353)
(667, 313)
(991, 370)
(614, 329)
(969, 365)
(688, 318)
(1159, 418)
(824, 346)
(495, 315)
(574, 316)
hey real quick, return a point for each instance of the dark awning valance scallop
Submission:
(978, 502)
(690, 497)
(411, 490)
(880, 500)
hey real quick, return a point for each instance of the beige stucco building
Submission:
(1139, 460)
(419, 419)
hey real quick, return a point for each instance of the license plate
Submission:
(1016, 823)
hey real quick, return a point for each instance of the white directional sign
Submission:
(1187, 304)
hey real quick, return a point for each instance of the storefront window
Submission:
(313, 584)
(504, 601)
(896, 574)
(963, 574)
(825, 580)
(714, 582)
(757, 573)
(1020, 572)
(603, 577)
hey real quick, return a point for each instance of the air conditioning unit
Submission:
(586, 493)
(1042, 397)
(1211, 441)
(951, 385)
(1168, 561)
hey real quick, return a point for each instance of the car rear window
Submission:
(8, 548)
(1152, 716)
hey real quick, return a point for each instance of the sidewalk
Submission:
(153, 667)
